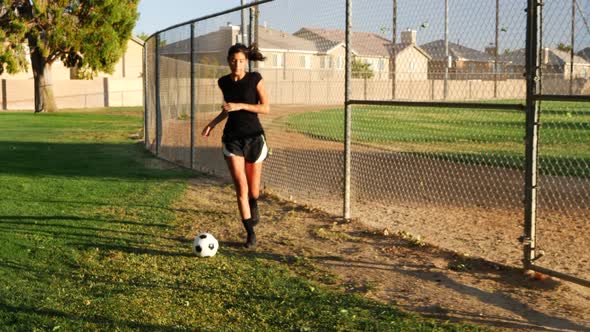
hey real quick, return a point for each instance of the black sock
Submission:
(251, 238)
(255, 215)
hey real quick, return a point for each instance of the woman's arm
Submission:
(262, 107)
(220, 117)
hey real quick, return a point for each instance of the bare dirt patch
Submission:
(393, 267)
(469, 215)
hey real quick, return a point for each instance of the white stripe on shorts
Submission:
(226, 152)
(263, 153)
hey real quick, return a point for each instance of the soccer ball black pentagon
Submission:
(205, 245)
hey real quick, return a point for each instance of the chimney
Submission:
(409, 37)
(491, 50)
(545, 59)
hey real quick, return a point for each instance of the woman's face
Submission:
(237, 63)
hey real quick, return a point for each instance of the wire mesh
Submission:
(174, 74)
(422, 170)
(565, 47)
(443, 50)
(212, 39)
(150, 107)
(564, 164)
(564, 187)
(454, 176)
(304, 74)
(419, 169)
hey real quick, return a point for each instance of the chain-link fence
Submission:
(443, 100)
(564, 136)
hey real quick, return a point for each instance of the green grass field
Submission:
(87, 233)
(490, 137)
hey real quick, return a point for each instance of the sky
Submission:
(156, 15)
(471, 23)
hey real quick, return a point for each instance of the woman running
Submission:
(244, 145)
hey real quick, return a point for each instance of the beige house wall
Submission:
(322, 87)
(130, 66)
(74, 93)
(123, 88)
(411, 65)
(378, 73)
(58, 72)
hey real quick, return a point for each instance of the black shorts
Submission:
(253, 149)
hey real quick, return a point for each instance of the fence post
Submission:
(193, 91)
(347, 110)
(446, 75)
(146, 138)
(4, 96)
(251, 35)
(532, 129)
(146, 113)
(158, 111)
(243, 27)
(105, 86)
(497, 42)
(573, 41)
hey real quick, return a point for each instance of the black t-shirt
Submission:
(241, 124)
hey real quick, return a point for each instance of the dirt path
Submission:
(394, 268)
(473, 209)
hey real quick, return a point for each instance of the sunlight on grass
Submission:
(88, 234)
(488, 137)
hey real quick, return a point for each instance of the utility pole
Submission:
(496, 49)
(446, 62)
(394, 42)
(243, 28)
(573, 35)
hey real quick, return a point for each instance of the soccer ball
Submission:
(205, 245)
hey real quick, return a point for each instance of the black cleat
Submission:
(255, 215)
(251, 237)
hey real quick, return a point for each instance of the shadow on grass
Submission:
(34, 219)
(531, 318)
(27, 313)
(105, 160)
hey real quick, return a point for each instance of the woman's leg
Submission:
(238, 174)
(253, 175)
(237, 171)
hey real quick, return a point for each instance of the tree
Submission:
(361, 69)
(143, 36)
(88, 34)
(564, 47)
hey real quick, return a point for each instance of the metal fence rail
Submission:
(466, 123)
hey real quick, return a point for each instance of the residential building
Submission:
(408, 61)
(464, 63)
(556, 64)
(584, 53)
(366, 47)
(130, 66)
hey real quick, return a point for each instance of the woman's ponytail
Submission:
(252, 52)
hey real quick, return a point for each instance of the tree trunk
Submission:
(44, 98)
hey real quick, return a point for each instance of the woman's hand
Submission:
(206, 131)
(231, 107)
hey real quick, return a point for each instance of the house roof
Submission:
(363, 43)
(585, 53)
(403, 46)
(219, 40)
(436, 49)
(208, 43)
(553, 56)
(269, 38)
(137, 40)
